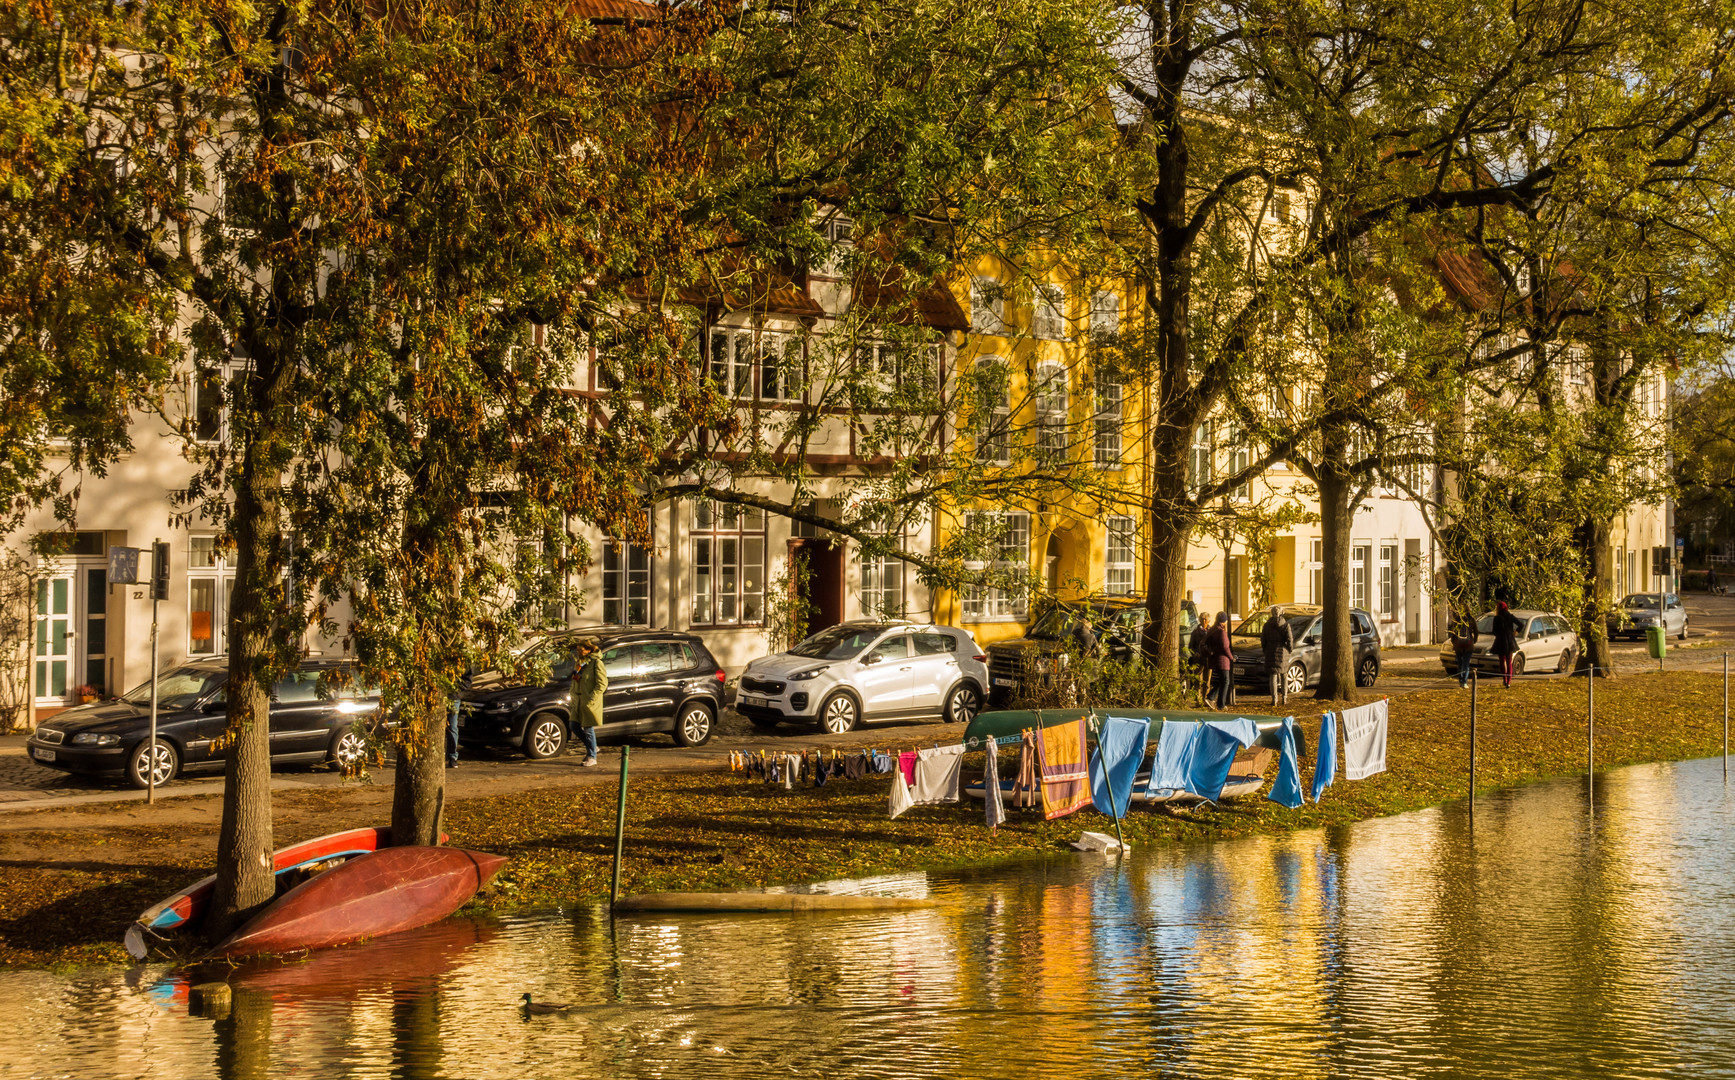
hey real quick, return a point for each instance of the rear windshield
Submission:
(838, 643)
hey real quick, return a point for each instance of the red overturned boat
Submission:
(369, 896)
(319, 856)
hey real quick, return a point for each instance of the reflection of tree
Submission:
(416, 1033)
(244, 1037)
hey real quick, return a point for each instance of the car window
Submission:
(896, 647)
(658, 657)
(836, 643)
(296, 688)
(1538, 627)
(617, 662)
(1132, 620)
(565, 662)
(177, 689)
(1363, 624)
(1252, 625)
(935, 644)
(1560, 626)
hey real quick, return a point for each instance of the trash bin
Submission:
(1659, 642)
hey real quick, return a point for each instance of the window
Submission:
(882, 582)
(728, 565)
(1051, 436)
(896, 647)
(1240, 456)
(935, 644)
(1199, 461)
(1577, 371)
(626, 584)
(1108, 418)
(1118, 563)
(1389, 581)
(617, 663)
(1048, 319)
(780, 374)
(659, 658)
(731, 360)
(993, 412)
(987, 306)
(1280, 208)
(212, 393)
(1358, 576)
(888, 366)
(1105, 314)
(210, 584)
(1013, 555)
(296, 688)
(1316, 572)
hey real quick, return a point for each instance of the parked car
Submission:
(309, 723)
(859, 672)
(1546, 642)
(1638, 614)
(1119, 624)
(1307, 623)
(658, 681)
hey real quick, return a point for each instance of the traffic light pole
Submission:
(159, 583)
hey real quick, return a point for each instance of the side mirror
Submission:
(215, 705)
(871, 658)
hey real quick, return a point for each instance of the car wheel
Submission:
(1565, 664)
(544, 736)
(1295, 678)
(962, 704)
(158, 758)
(838, 714)
(695, 726)
(1368, 671)
(1683, 630)
(1517, 665)
(348, 749)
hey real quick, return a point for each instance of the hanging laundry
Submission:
(1173, 765)
(937, 772)
(1286, 789)
(821, 772)
(1214, 752)
(907, 766)
(1065, 777)
(1364, 741)
(1120, 750)
(1325, 765)
(791, 765)
(993, 809)
(899, 800)
(1025, 788)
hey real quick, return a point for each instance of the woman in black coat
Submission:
(1506, 628)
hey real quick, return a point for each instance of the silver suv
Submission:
(866, 671)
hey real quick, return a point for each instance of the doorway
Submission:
(1413, 591)
(824, 585)
(70, 639)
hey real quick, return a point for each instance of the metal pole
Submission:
(1590, 729)
(1473, 684)
(151, 745)
(620, 829)
(1662, 626)
(1725, 718)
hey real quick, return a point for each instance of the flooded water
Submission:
(1547, 940)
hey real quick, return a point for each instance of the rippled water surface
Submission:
(1547, 940)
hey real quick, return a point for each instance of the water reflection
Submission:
(1544, 942)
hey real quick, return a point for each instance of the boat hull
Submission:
(383, 892)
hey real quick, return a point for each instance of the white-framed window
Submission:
(987, 306)
(1577, 370)
(728, 565)
(1048, 317)
(1280, 205)
(731, 360)
(1316, 571)
(1389, 581)
(1199, 459)
(1105, 314)
(626, 583)
(1013, 554)
(210, 394)
(780, 367)
(890, 365)
(210, 585)
(1118, 560)
(882, 586)
(1240, 456)
(1051, 425)
(1109, 417)
(1358, 575)
(993, 411)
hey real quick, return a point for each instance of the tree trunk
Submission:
(418, 791)
(1593, 538)
(1337, 662)
(1171, 527)
(419, 787)
(245, 877)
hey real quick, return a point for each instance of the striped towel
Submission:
(1065, 775)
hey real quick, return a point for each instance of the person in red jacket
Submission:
(1222, 657)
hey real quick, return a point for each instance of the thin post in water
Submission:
(1473, 684)
(1590, 728)
(620, 830)
(1725, 718)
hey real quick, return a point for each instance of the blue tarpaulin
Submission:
(1120, 750)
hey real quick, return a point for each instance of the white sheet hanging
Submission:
(1364, 741)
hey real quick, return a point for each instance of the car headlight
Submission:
(91, 738)
(810, 673)
(506, 706)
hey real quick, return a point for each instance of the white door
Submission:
(933, 669)
(56, 662)
(884, 678)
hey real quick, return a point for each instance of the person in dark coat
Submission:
(1506, 628)
(1196, 656)
(1277, 640)
(1084, 634)
(1222, 656)
(1463, 645)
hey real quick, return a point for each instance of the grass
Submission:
(722, 831)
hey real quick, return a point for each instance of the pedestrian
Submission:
(1463, 645)
(1084, 634)
(1277, 640)
(1506, 627)
(589, 684)
(452, 734)
(1198, 658)
(1711, 579)
(1222, 658)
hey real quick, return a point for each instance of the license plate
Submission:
(1002, 682)
(41, 754)
(1240, 669)
(748, 699)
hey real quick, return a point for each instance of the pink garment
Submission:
(907, 766)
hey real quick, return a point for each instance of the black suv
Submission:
(1119, 624)
(1306, 623)
(309, 723)
(657, 681)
